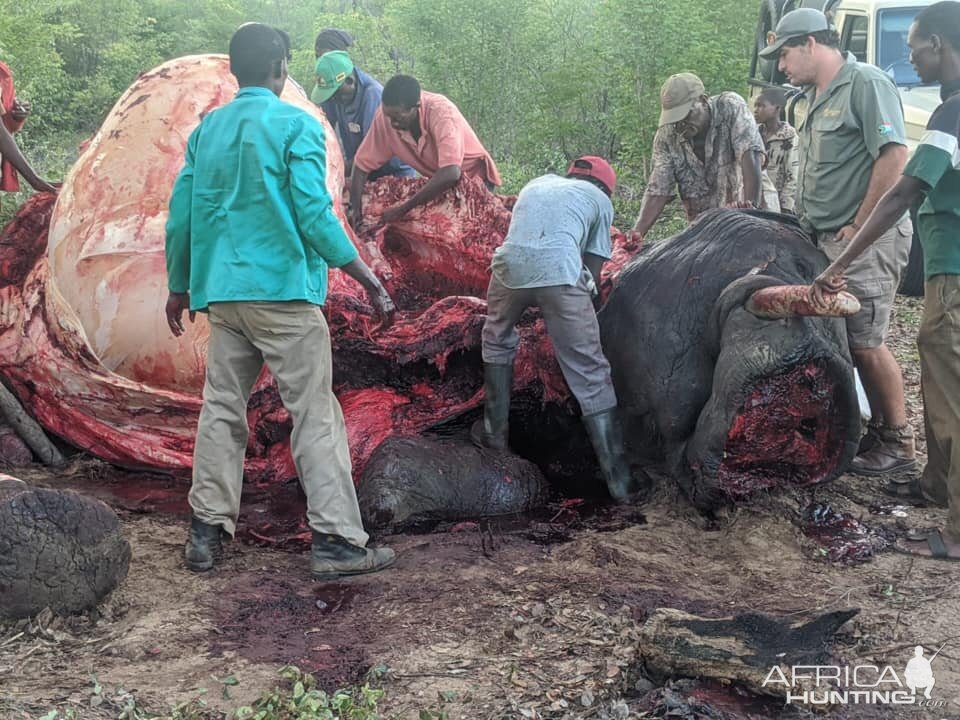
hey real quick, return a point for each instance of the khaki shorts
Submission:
(873, 278)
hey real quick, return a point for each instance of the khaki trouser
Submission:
(572, 325)
(293, 339)
(939, 345)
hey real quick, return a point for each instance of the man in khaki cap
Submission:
(852, 151)
(707, 147)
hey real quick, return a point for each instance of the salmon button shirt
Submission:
(446, 138)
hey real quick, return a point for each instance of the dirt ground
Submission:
(503, 618)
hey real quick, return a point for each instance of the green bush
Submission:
(541, 81)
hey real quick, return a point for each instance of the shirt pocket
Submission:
(833, 141)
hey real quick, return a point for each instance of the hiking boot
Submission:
(870, 439)
(204, 546)
(493, 430)
(606, 436)
(333, 556)
(894, 452)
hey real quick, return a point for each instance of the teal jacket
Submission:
(250, 215)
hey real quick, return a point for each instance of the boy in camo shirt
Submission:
(780, 143)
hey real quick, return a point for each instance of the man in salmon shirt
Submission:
(427, 132)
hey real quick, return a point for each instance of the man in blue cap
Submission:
(350, 99)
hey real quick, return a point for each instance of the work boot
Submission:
(494, 429)
(871, 438)
(894, 452)
(333, 556)
(606, 436)
(204, 546)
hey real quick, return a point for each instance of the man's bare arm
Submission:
(891, 208)
(357, 180)
(444, 179)
(750, 168)
(652, 206)
(887, 170)
(10, 151)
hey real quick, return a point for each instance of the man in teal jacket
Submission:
(250, 236)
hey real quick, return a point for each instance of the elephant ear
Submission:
(733, 296)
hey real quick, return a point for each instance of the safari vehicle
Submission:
(874, 31)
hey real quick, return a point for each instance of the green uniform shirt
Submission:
(937, 163)
(840, 139)
(250, 216)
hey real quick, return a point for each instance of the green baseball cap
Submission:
(796, 23)
(333, 68)
(677, 97)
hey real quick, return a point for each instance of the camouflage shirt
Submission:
(718, 181)
(782, 162)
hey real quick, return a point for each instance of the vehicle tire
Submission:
(911, 279)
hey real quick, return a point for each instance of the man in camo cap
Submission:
(709, 148)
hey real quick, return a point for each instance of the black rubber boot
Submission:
(333, 556)
(606, 436)
(204, 546)
(494, 430)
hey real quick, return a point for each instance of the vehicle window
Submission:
(893, 55)
(854, 37)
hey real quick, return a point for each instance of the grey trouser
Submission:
(873, 279)
(939, 344)
(572, 325)
(293, 339)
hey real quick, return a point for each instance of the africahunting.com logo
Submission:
(814, 685)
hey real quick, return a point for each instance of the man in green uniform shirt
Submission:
(932, 175)
(250, 236)
(852, 150)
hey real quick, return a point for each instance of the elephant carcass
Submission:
(737, 402)
(84, 344)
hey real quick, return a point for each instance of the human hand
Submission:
(831, 281)
(392, 214)
(20, 110)
(742, 205)
(384, 307)
(177, 303)
(846, 233)
(635, 239)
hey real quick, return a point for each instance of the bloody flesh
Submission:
(786, 432)
(840, 537)
(84, 344)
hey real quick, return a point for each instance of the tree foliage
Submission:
(541, 81)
